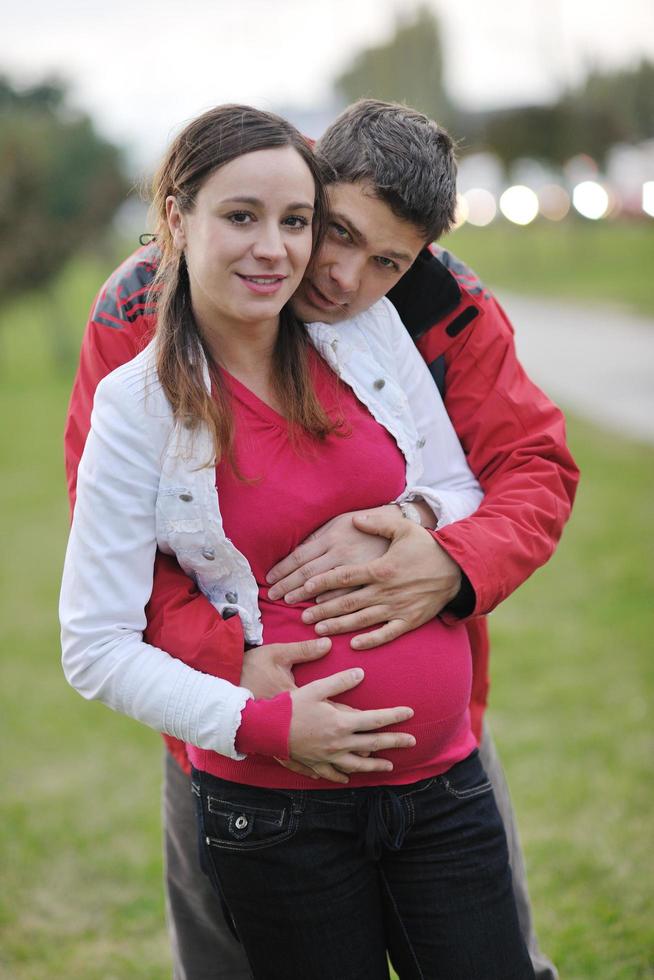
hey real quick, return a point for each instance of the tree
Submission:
(607, 108)
(408, 68)
(60, 184)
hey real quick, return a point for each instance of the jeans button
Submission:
(241, 822)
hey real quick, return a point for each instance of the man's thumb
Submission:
(380, 524)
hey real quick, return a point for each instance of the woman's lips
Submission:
(262, 285)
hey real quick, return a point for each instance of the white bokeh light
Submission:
(481, 206)
(519, 204)
(590, 199)
(461, 213)
(648, 197)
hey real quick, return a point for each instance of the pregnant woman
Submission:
(231, 437)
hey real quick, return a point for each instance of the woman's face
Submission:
(248, 239)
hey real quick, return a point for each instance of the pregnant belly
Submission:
(428, 669)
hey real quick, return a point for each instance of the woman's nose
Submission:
(269, 243)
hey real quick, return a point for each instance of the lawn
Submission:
(80, 862)
(576, 259)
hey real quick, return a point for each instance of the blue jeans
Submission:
(321, 884)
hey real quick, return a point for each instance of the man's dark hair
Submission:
(407, 158)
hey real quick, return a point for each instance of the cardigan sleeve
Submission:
(107, 582)
(180, 619)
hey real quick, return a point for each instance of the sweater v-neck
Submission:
(245, 395)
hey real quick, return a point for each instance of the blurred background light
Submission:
(648, 197)
(481, 206)
(590, 199)
(461, 213)
(519, 204)
(554, 202)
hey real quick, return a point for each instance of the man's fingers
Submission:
(356, 621)
(309, 550)
(375, 638)
(294, 653)
(350, 602)
(333, 594)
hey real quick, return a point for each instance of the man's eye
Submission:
(296, 221)
(387, 263)
(240, 217)
(341, 232)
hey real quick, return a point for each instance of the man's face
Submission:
(366, 250)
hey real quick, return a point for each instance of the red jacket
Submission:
(513, 435)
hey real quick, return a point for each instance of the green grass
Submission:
(80, 866)
(582, 260)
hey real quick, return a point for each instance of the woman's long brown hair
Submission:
(209, 142)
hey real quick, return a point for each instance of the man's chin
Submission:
(309, 313)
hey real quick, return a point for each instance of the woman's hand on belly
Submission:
(338, 542)
(268, 670)
(323, 733)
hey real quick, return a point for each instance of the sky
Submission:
(143, 69)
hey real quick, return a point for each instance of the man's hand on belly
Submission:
(402, 590)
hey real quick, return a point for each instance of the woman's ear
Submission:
(175, 223)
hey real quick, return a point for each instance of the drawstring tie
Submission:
(385, 820)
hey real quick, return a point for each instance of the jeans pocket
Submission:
(236, 825)
(466, 780)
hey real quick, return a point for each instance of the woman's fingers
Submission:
(309, 550)
(363, 744)
(315, 771)
(370, 720)
(329, 687)
(291, 586)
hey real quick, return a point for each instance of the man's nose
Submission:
(269, 242)
(346, 275)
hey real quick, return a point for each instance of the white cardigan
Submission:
(142, 485)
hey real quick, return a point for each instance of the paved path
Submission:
(598, 363)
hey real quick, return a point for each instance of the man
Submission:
(392, 177)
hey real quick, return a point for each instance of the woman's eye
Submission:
(239, 217)
(341, 232)
(296, 221)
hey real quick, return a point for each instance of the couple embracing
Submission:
(274, 436)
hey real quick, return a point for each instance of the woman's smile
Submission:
(263, 285)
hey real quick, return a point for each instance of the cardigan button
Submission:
(231, 596)
(420, 443)
(378, 384)
(209, 553)
(229, 612)
(186, 496)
